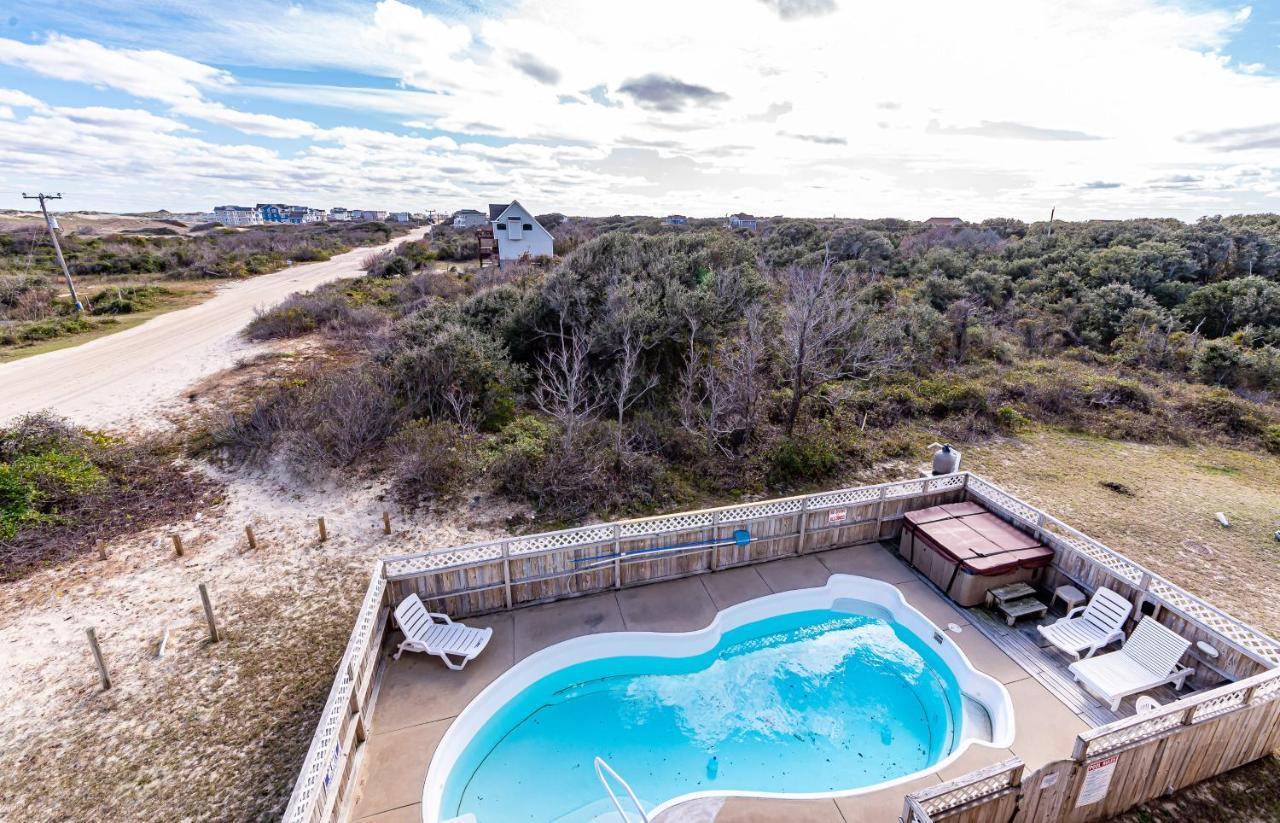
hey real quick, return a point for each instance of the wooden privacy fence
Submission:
(1170, 748)
(329, 768)
(1117, 766)
(520, 571)
(1078, 558)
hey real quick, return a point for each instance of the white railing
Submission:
(435, 560)
(1243, 637)
(325, 758)
(601, 768)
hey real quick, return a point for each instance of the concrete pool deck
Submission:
(418, 697)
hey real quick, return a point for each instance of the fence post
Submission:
(884, 491)
(386, 522)
(804, 525)
(617, 556)
(715, 541)
(103, 677)
(102, 550)
(177, 544)
(506, 571)
(253, 542)
(208, 613)
(324, 533)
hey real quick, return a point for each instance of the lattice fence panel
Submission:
(844, 497)
(969, 792)
(561, 540)
(756, 511)
(442, 559)
(320, 766)
(674, 523)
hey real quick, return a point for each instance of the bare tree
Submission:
(962, 314)
(742, 372)
(628, 384)
(826, 334)
(564, 388)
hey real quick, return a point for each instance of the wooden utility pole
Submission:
(57, 247)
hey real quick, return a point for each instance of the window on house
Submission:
(502, 227)
(528, 227)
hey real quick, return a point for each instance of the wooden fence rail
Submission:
(1120, 765)
(517, 571)
(327, 771)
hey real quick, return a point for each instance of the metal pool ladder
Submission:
(601, 768)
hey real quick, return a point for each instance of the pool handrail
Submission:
(601, 768)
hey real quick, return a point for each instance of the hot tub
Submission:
(966, 550)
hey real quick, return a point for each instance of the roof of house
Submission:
(943, 221)
(742, 215)
(496, 210)
(468, 211)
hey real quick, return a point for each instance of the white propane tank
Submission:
(946, 460)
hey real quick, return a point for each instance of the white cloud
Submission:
(803, 108)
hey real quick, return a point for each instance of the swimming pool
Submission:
(809, 693)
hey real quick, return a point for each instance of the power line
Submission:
(57, 247)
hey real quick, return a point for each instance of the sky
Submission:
(808, 108)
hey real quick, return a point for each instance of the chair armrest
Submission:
(439, 616)
(1074, 613)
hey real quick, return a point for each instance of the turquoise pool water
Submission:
(813, 701)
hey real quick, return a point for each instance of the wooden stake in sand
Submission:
(177, 545)
(208, 614)
(97, 655)
(253, 543)
(102, 550)
(386, 522)
(324, 535)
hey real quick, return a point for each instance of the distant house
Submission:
(272, 212)
(237, 215)
(518, 233)
(743, 220)
(297, 215)
(400, 217)
(469, 219)
(675, 220)
(946, 222)
(338, 214)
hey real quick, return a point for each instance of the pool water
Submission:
(805, 702)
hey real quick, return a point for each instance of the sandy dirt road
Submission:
(124, 379)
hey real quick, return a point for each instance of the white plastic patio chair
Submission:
(435, 633)
(1089, 628)
(1149, 658)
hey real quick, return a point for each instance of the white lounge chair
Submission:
(1089, 628)
(1149, 658)
(445, 639)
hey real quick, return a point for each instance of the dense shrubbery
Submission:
(653, 362)
(62, 487)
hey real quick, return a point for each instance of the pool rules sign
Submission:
(1097, 779)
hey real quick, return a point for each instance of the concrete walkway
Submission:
(419, 698)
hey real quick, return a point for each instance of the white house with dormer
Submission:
(518, 233)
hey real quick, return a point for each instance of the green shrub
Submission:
(1271, 439)
(33, 486)
(800, 460)
(125, 299)
(1010, 419)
